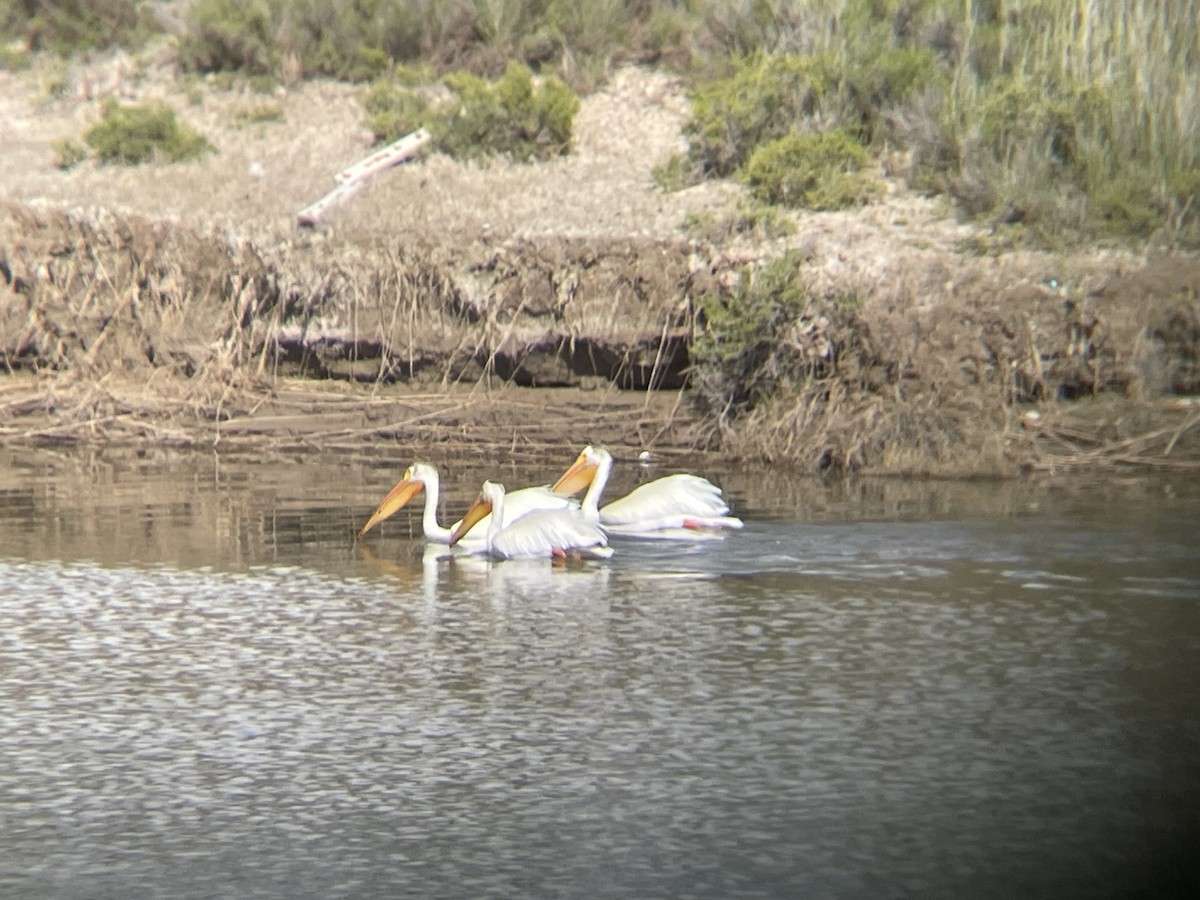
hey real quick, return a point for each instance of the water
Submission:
(878, 689)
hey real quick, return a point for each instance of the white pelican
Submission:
(673, 506)
(541, 533)
(423, 476)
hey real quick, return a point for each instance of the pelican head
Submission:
(482, 506)
(581, 473)
(415, 478)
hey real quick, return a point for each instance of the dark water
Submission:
(878, 689)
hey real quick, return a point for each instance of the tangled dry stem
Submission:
(126, 329)
(513, 307)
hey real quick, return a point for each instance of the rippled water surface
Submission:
(878, 689)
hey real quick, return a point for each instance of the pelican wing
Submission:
(666, 498)
(545, 532)
(534, 499)
(517, 504)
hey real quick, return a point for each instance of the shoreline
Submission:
(181, 305)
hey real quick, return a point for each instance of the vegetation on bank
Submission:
(783, 372)
(1059, 121)
(845, 383)
(69, 27)
(511, 116)
(131, 134)
(1053, 121)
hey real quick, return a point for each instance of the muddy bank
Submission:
(122, 328)
(96, 292)
(493, 307)
(119, 328)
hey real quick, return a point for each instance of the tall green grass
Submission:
(357, 40)
(1084, 114)
(71, 26)
(1066, 117)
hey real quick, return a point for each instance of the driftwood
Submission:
(526, 425)
(352, 179)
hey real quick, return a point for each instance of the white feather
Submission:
(668, 507)
(540, 533)
(519, 503)
(671, 496)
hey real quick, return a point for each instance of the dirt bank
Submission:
(513, 307)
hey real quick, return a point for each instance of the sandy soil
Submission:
(592, 225)
(264, 174)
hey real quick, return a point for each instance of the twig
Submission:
(1180, 431)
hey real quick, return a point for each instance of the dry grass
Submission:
(122, 329)
(983, 382)
(289, 416)
(183, 309)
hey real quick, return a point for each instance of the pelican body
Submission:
(541, 533)
(422, 476)
(672, 506)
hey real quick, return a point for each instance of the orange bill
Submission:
(400, 495)
(576, 478)
(480, 508)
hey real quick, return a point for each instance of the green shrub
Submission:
(736, 358)
(1184, 194)
(675, 174)
(411, 75)
(764, 220)
(1017, 113)
(705, 226)
(893, 75)
(68, 154)
(819, 171)
(54, 75)
(263, 83)
(1070, 119)
(358, 40)
(768, 97)
(351, 41)
(13, 59)
(1085, 117)
(866, 88)
(590, 34)
(230, 35)
(761, 101)
(73, 26)
(192, 89)
(842, 190)
(499, 23)
(509, 116)
(665, 36)
(135, 134)
(394, 111)
(1130, 205)
(1040, 151)
(760, 221)
(591, 29)
(368, 64)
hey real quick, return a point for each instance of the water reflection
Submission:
(208, 689)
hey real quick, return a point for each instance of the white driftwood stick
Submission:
(352, 179)
(311, 214)
(386, 157)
